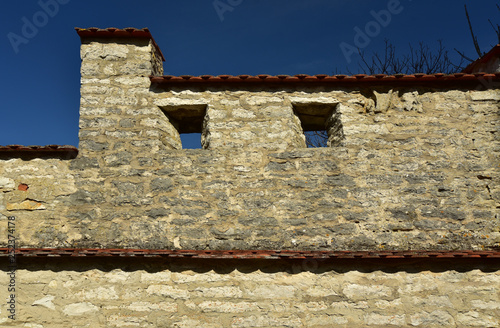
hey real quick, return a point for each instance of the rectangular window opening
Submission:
(321, 123)
(188, 120)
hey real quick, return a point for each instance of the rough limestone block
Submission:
(315, 100)
(261, 100)
(174, 101)
(27, 205)
(97, 51)
(90, 69)
(385, 320)
(45, 302)
(78, 309)
(142, 81)
(384, 101)
(7, 184)
(476, 319)
(485, 95)
(411, 102)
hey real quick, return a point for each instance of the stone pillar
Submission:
(118, 121)
(334, 128)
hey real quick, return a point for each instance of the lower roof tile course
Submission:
(246, 254)
(419, 78)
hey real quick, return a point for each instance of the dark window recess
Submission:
(188, 120)
(321, 124)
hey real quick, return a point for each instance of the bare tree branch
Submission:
(421, 59)
(496, 29)
(418, 60)
(474, 38)
(463, 55)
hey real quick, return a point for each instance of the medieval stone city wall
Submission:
(412, 168)
(407, 168)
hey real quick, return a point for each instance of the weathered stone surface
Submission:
(376, 319)
(100, 51)
(360, 292)
(221, 294)
(82, 163)
(435, 318)
(476, 319)
(411, 102)
(45, 302)
(161, 184)
(78, 309)
(383, 101)
(485, 95)
(167, 291)
(84, 197)
(148, 307)
(7, 184)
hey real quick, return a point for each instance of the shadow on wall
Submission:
(222, 266)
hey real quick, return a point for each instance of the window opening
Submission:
(321, 124)
(188, 120)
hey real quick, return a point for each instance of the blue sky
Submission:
(40, 74)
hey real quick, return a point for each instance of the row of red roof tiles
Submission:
(48, 148)
(38, 148)
(39, 151)
(494, 52)
(116, 32)
(481, 78)
(247, 254)
(112, 32)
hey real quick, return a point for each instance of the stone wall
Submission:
(410, 174)
(407, 167)
(73, 293)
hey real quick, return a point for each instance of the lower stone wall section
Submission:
(218, 293)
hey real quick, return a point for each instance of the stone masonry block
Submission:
(97, 51)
